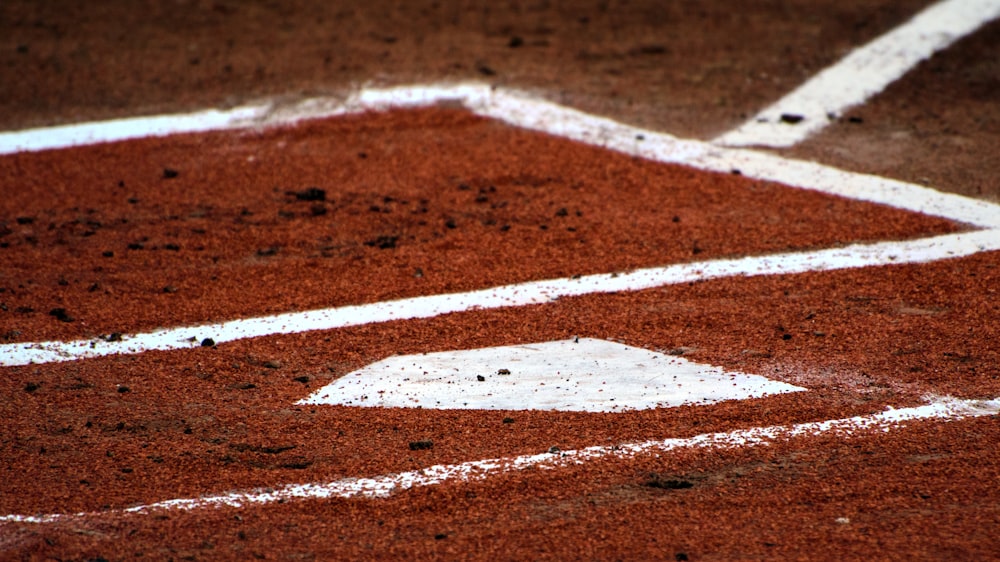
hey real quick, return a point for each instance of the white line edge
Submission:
(522, 110)
(385, 486)
(923, 250)
(863, 73)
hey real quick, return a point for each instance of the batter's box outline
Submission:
(530, 112)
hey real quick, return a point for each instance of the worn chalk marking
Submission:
(523, 110)
(520, 294)
(946, 409)
(860, 75)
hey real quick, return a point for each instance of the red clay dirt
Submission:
(850, 496)
(198, 421)
(202, 228)
(693, 69)
(939, 125)
(199, 228)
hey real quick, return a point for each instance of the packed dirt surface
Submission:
(201, 228)
(101, 242)
(938, 126)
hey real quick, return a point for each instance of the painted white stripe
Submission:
(863, 73)
(523, 110)
(873, 189)
(946, 409)
(65, 136)
(521, 294)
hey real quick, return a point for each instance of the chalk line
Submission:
(385, 486)
(519, 294)
(864, 72)
(526, 111)
(523, 110)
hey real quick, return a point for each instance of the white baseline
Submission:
(525, 111)
(860, 75)
(945, 409)
(521, 294)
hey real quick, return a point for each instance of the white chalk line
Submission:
(521, 110)
(946, 409)
(524, 111)
(521, 294)
(864, 72)
(552, 119)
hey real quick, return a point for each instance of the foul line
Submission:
(520, 294)
(522, 110)
(947, 409)
(864, 72)
(526, 111)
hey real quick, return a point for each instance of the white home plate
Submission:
(582, 374)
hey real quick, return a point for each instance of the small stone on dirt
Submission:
(421, 445)
(32, 386)
(310, 194)
(207, 342)
(169, 173)
(383, 242)
(61, 315)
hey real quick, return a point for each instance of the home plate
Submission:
(581, 374)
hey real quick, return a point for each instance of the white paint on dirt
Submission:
(65, 136)
(575, 375)
(521, 294)
(864, 72)
(528, 112)
(945, 409)
(521, 110)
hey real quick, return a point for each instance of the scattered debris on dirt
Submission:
(421, 445)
